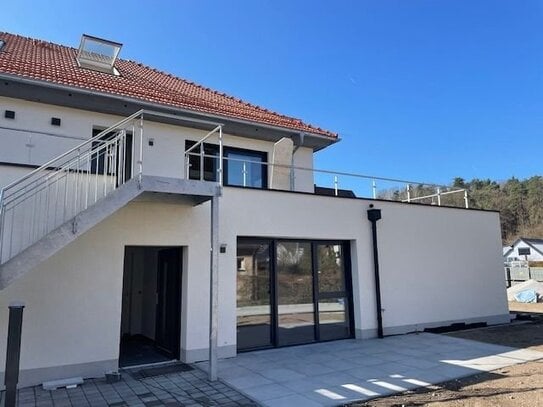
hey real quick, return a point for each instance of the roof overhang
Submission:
(18, 87)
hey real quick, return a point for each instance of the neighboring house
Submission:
(107, 239)
(524, 249)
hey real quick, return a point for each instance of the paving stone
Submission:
(177, 389)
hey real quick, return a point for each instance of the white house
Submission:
(524, 248)
(146, 218)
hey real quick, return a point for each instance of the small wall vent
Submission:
(55, 121)
(98, 54)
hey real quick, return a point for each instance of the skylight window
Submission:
(98, 54)
(2, 43)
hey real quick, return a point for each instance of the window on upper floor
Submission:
(108, 158)
(245, 168)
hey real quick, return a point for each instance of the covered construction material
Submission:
(519, 292)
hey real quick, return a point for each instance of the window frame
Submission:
(347, 293)
(213, 149)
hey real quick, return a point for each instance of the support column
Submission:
(213, 287)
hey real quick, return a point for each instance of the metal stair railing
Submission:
(59, 190)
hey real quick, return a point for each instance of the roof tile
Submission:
(41, 60)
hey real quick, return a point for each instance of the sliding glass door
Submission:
(295, 303)
(291, 292)
(254, 316)
(333, 295)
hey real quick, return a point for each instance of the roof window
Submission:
(98, 54)
(2, 43)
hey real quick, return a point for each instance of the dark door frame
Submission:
(274, 301)
(177, 331)
(98, 159)
(176, 328)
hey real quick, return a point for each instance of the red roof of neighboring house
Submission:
(45, 61)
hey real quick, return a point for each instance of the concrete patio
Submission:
(339, 372)
(324, 374)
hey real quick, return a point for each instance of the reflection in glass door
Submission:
(333, 296)
(295, 304)
(253, 294)
(292, 292)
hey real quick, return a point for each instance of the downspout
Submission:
(373, 216)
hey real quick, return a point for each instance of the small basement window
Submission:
(98, 54)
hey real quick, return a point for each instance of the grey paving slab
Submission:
(313, 369)
(292, 400)
(244, 382)
(339, 372)
(281, 374)
(268, 391)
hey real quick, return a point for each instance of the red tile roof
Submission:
(45, 61)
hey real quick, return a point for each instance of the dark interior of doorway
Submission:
(151, 305)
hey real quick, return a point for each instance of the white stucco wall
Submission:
(73, 311)
(31, 127)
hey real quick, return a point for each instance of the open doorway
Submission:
(151, 305)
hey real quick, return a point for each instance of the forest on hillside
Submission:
(520, 202)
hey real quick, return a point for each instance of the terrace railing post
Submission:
(2, 221)
(221, 153)
(140, 158)
(13, 352)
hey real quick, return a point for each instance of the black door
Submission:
(168, 305)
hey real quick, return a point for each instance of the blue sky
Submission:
(419, 90)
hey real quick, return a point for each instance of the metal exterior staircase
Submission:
(51, 206)
(55, 201)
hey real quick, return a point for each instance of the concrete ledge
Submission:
(33, 377)
(169, 185)
(404, 329)
(199, 355)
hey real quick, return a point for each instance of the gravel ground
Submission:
(514, 386)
